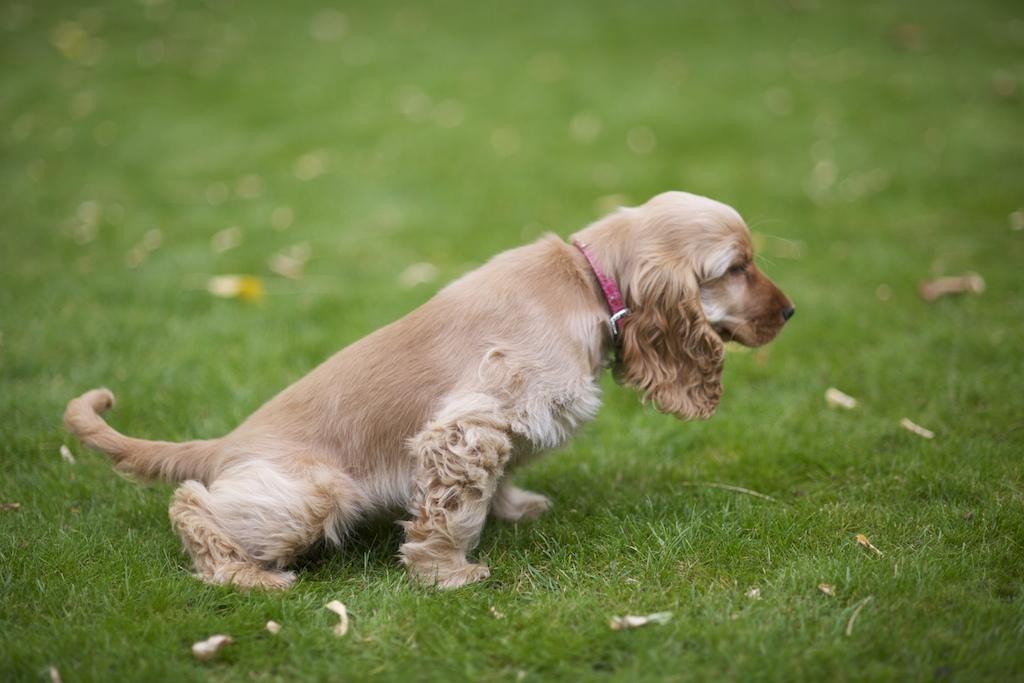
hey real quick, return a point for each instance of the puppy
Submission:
(431, 413)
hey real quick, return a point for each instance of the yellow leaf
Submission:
(245, 287)
(863, 542)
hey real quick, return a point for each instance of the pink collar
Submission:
(612, 294)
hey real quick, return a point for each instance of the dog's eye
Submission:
(738, 269)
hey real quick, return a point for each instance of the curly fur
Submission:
(669, 351)
(430, 414)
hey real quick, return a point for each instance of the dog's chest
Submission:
(547, 417)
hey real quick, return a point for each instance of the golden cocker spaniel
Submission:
(430, 414)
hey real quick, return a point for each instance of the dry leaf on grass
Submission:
(273, 627)
(339, 609)
(1017, 220)
(943, 286)
(418, 274)
(205, 650)
(66, 454)
(282, 217)
(863, 542)
(245, 287)
(856, 613)
(292, 262)
(135, 256)
(54, 675)
(227, 239)
(754, 593)
(151, 241)
(828, 589)
(311, 165)
(621, 623)
(729, 487)
(9, 506)
(838, 399)
(917, 429)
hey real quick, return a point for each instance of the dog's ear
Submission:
(668, 350)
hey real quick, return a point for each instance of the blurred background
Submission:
(203, 199)
(351, 158)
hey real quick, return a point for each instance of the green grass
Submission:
(869, 143)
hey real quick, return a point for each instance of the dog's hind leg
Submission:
(257, 518)
(217, 558)
(459, 459)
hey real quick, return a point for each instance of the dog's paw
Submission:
(275, 581)
(516, 505)
(471, 573)
(246, 577)
(437, 577)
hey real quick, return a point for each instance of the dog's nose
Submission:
(788, 313)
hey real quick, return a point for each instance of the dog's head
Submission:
(686, 267)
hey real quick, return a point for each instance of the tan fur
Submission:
(430, 413)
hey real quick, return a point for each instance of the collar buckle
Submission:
(613, 321)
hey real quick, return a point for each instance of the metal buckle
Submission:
(614, 321)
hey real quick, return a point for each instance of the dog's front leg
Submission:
(458, 464)
(513, 504)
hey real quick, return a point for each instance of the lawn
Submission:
(870, 146)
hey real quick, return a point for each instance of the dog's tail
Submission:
(147, 459)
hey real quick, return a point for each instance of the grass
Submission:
(869, 144)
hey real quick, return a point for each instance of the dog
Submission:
(430, 414)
